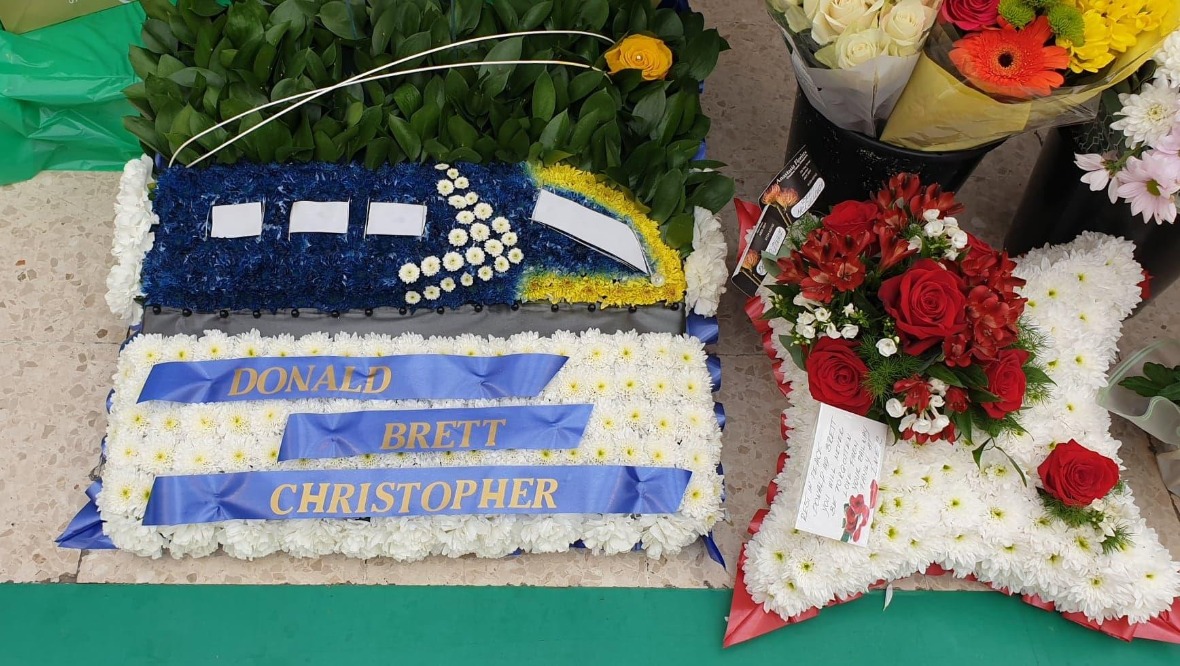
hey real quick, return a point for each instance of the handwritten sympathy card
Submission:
(840, 490)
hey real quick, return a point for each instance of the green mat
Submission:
(61, 100)
(46, 625)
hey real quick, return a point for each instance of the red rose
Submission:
(836, 376)
(1005, 378)
(851, 218)
(971, 15)
(927, 304)
(1076, 475)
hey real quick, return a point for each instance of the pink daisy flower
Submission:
(1098, 173)
(1149, 184)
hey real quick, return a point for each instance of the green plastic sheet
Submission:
(61, 100)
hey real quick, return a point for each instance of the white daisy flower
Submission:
(466, 280)
(431, 266)
(515, 255)
(445, 187)
(475, 256)
(471, 198)
(453, 261)
(485, 273)
(483, 211)
(409, 273)
(501, 225)
(452, 173)
(501, 265)
(465, 217)
(509, 238)
(413, 298)
(461, 182)
(457, 237)
(480, 232)
(1147, 116)
(494, 247)
(431, 293)
(457, 201)
(447, 284)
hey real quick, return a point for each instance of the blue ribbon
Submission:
(85, 530)
(705, 329)
(409, 377)
(713, 362)
(418, 430)
(416, 491)
(719, 412)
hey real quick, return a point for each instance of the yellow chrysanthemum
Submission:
(552, 286)
(1096, 52)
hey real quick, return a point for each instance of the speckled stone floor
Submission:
(58, 345)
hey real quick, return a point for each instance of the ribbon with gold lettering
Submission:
(423, 430)
(408, 377)
(415, 491)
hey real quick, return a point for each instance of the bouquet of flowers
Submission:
(898, 314)
(994, 68)
(1136, 141)
(859, 53)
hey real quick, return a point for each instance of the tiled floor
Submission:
(58, 344)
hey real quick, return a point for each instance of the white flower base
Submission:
(937, 508)
(653, 407)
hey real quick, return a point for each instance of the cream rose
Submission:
(905, 24)
(855, 48)
(831, 18)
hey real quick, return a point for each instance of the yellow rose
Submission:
(831, 18)
(648, 54)
(905, 24)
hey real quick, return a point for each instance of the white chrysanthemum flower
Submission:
(409, 273)
(466, 280)
(501, 265)
(452, 173)
(475, 256)
(480, 232)
(483, 211)
(471, 198)
(485, 273)
(445, 187)
(1167, 60)
(1148, 115)
(465, 217)
(442, 166)
(509, 239)
(461, 182)
(431, 293)
(447, 284)
(501, 225)
(457, 201)
(431, 266)
(493, 247)
(453, 261)
(515, 255)
(457, 237)
(413, 298)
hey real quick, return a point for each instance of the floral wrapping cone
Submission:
(939, 112)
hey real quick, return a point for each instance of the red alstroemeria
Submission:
(956, 400)
(915, 391)
(947, 434)
(847, 273)
(791, 269)
(933, 198)
(894, 249)
(992, 322)
(817, 286)
(957, 350)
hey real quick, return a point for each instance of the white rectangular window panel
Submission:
(319, 217)
(605, 234)
(237, 220)
(395, 219)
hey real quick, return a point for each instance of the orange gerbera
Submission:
(1010, 62)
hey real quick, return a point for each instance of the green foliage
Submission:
(885, 371)
(1081, 516)
(1156, 380)
(203, 63)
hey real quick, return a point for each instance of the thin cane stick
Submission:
(312, 94)
(394, 75)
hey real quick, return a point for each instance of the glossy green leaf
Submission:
(544, 101)
(535, 15)
(495, 77)
(344, 19)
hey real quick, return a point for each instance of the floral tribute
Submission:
(1050, 521)
(898, 314)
